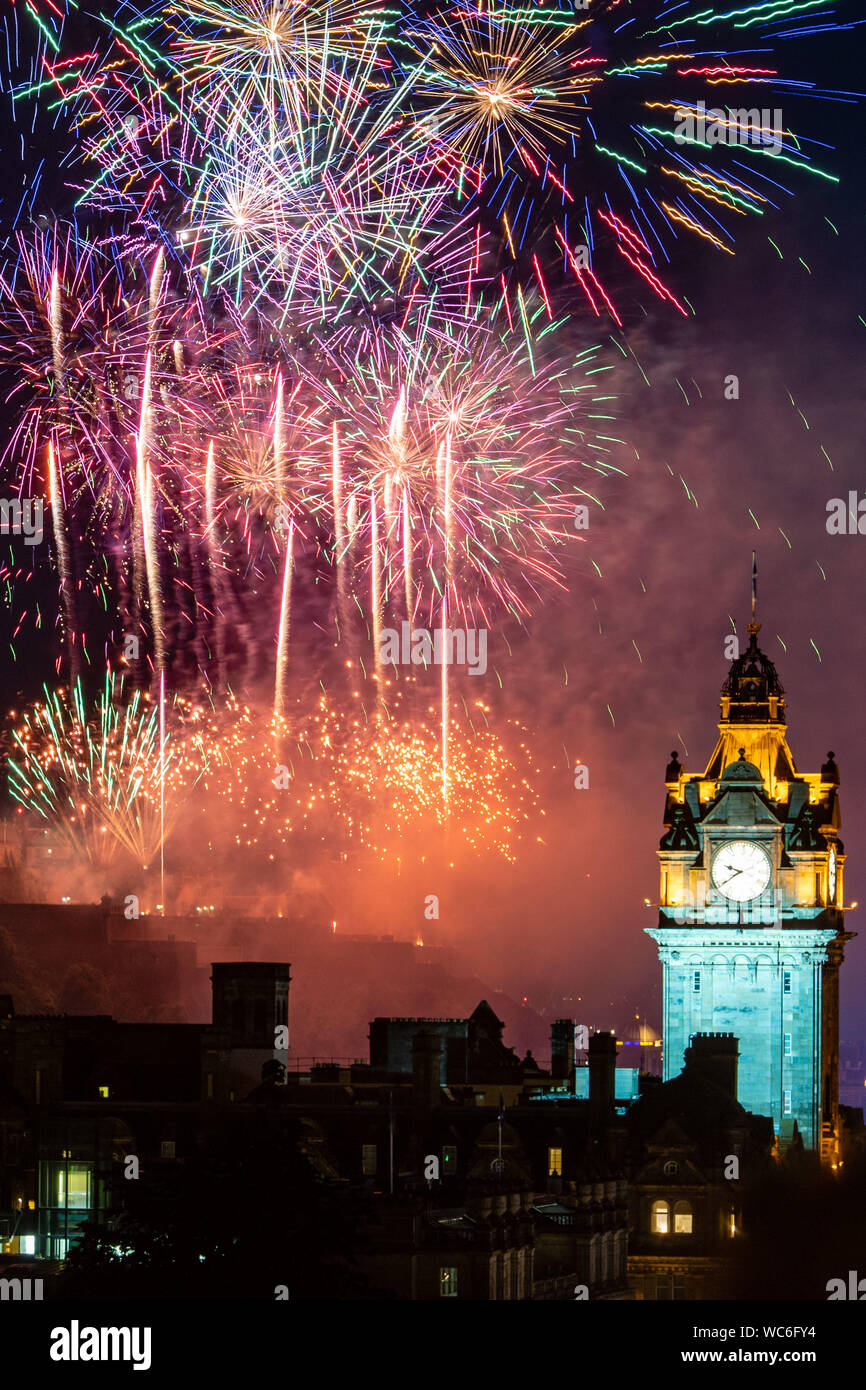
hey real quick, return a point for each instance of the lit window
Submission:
(447, 1281)
(788, 1048)
(787, 1109)
(449, 1158)
(73, 1187)
(554, 1163)
(696, 984)
(103, 1091)
(682, 1219)
(368, 1160)
(660, 1221)
(27, 1245)
(166, 1148)
(786, 982)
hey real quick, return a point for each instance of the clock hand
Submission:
(733, 875)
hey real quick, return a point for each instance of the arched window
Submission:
(682, 1219)
(660, 1222)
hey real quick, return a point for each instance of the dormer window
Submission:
(683, 1219)
(660, 1219)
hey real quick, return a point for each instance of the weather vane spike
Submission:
(754, 625)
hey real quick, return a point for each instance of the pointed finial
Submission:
(829, 769)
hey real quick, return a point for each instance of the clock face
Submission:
(741, 870)
(831, 875)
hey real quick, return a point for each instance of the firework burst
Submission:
(101, 776)
(295, 361)
(458, 461)
(570, 134)
(493, 87)
(361, 772)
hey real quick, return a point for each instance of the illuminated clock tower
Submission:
(751, 923)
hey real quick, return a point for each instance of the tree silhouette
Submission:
(236, 1221)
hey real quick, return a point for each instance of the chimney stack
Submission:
(426, 1069)
(716, 1055)
(602, 1068)
(562, 1049)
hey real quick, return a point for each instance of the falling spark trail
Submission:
(407, 555)
(376, 586)
(447, 510)
(279, 441)
(55, 489)
(162, 790)
(339, 533)
(285, 624)
(210, 494)
(56, 331)
(55, 480)
(445, 710)
(146, 485)
(156, 280)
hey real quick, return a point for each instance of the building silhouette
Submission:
(694, 1153)
(472, 1174)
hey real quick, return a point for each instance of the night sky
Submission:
(567, 921)
(674, 546)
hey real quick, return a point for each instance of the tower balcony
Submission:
(736, 914)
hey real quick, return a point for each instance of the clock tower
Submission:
(751, 922)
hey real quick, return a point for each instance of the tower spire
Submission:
(754, 625)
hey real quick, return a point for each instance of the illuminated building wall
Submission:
(751, 920)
